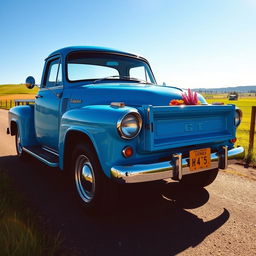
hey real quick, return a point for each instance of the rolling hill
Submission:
(239, 89)
(7, 89)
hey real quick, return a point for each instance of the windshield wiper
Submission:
(104, 78)
(123, 78)
(128, 78)
(140, 80)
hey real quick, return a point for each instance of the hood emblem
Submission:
(117, 104)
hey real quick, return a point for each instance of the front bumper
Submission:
(175, 168)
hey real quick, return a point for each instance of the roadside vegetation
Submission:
(19, 235)
(245, 104)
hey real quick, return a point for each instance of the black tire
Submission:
(19, 149)
(200, 179)
(91, 187)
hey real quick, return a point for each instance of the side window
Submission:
(139, 73)
(54, 74)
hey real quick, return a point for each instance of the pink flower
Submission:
(191, 98)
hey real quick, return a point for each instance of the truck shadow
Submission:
(150, 218)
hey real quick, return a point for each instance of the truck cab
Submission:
(100, 116)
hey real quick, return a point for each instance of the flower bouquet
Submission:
(189, 98)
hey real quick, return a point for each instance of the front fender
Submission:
(23, 116)
(99, 123)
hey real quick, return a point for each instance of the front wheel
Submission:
(92, 188)
(200, 179)
(85, 179)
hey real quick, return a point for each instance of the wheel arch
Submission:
(72, 138)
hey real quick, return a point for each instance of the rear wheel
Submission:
(200, 179)
(92, 188)
(18, 145)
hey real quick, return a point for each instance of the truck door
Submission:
(47, 104)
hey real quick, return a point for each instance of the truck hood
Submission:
(130, 93)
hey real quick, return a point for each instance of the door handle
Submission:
(38, 96)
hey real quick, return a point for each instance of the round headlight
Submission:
(238, 117)
(129, 126)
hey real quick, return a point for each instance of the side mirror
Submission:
(30, 82)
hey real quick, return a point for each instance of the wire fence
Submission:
(245, 133)
(7, 104)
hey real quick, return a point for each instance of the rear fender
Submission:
(23, 118)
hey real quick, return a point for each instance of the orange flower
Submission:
(176, 102)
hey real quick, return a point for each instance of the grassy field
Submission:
(11, 92)
(245, 104)
(16, 89)
(19, 235)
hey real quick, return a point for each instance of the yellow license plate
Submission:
(199, 159)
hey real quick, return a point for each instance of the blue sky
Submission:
(189, 43)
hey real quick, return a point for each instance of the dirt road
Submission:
(152, 219)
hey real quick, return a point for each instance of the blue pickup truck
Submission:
(101, 117)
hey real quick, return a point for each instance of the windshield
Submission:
(82, 66)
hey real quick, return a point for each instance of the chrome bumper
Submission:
(175, 168)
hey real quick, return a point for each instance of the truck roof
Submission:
(67, 50)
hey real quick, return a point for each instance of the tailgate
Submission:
(179, 126)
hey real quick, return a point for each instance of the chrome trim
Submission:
(117, 104)
(119, 124)
(225, 155)
(41, 158)
(168, 169)
(177, 166)
(52, 88)
(50, 150)
(85, 178)
(148, 111)
(240, 113)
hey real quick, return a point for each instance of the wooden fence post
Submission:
(252, 130)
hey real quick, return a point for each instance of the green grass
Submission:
(245, 104)
(7, 89)
(19, 234)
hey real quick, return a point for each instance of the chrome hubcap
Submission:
(84, 178)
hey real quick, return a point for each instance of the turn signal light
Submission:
(233, 140)
(127, 152)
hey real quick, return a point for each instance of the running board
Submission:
(46, 156)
